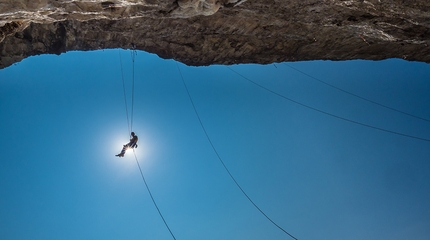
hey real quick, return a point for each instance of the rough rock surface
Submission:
(202, 32)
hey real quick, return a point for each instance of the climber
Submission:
(130, 145)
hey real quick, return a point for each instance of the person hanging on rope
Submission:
(130, 145)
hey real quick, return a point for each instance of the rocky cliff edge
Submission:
(203, 32)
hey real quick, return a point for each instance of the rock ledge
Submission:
(203, 32)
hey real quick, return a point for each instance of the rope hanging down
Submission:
(222, 162)
(133, 58)
(330, 114)
(357, 96)
(129, 120)
(130, 128)
(125, 94)
(152, 198)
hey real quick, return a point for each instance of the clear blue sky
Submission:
(62, 120)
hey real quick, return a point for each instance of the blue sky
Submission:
(62, 120)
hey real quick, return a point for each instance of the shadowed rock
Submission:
(203, 32)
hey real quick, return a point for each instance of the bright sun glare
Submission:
(141, 150)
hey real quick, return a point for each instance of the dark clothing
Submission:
(131, 144)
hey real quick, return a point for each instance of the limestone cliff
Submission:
(202, 32)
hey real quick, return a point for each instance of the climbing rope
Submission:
(222, 162)
(133, 58)
(357, 96)
(130, 128)
(129, 120)
(125, 94)
(330, 114)
(152, 198)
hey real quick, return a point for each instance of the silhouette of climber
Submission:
(131, 144)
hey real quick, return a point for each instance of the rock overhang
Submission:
(204, 32)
